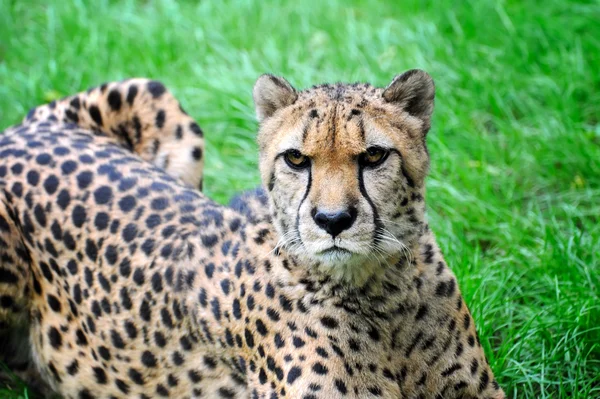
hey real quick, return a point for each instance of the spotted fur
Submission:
(140, 114)
(124, 282)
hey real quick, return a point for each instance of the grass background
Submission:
(514, 191)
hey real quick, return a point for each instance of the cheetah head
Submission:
(344, 168)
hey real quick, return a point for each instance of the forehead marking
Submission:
(333, 126)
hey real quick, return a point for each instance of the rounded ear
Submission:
(270, 94)
(414, 92)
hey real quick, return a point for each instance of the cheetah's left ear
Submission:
(272, 93)
(414, 92)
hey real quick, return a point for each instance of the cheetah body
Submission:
(123, 280)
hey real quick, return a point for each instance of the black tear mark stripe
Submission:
(302, 201)
(376, 220)
(409, 180)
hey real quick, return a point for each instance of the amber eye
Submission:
(296, 160)
(373, 156)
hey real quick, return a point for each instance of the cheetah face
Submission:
(344, 167)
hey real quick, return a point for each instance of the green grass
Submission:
(514, 191)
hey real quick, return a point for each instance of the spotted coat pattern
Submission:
(123, 281)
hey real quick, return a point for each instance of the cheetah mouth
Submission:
(334, 250)
(335, 254)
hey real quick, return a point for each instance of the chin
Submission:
(342, 264)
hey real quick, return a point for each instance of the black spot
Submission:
(64, 199)
(100, 375)
(249, 338)
(75, 103)
(186, 344)
(196, 129)
(354, 345)
(145, 312)
(209, 241)
(84, 179)
(237, 312)
(104, 353)
(155, 88)
(33, 177)
(172, 380)
(159, 204)
(210, 362)
(262, 376)
(95, 114)
(451, 370)
(131, 93)
(123, 387)
(116, 339)
(85, 394)
(148, 359)
(177, 359)
(129, 232)
(114, 100)
(445, 288)
(273, 314)
(136, 376)
(474, 366)
(55, 338)
(421, 312)
(270, 290)
(53, 303)
(225, 286)
(227, 393)
(341, 387)
(125, 267)
(483, 381)
(40, 215)
(73, 368)
(101, 220)
(293, 374)
(8, 277)
(261, 328)
(43, 159)
(127, 203)
(103, 195)
(159, 120)
(209, 269)
(216, 308)
(125, 298)
(329, 322)
(161, 390)
(197, 153)
(51, 184)
(157, 285)
(166, 318)
(467, 321)
(471, 340)
(195, 377)
(319, 368)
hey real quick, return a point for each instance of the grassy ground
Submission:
(514, 192)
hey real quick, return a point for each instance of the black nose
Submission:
(334, 222)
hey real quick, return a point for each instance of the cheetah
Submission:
(124, 280)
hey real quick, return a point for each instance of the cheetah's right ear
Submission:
(414, 92)
(270, 94)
